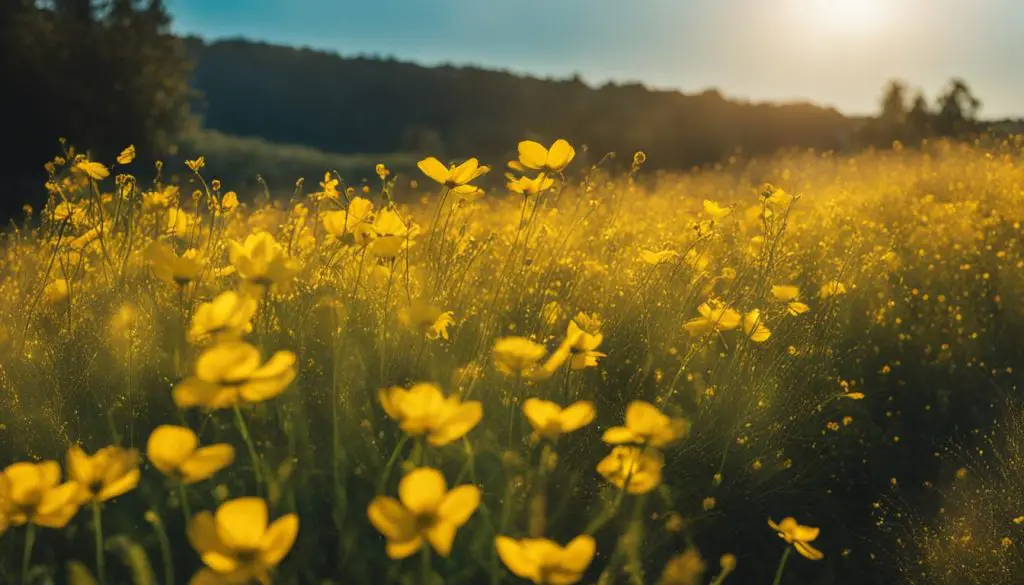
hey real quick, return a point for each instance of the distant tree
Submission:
(919, 118)
(958, 110)
(894, 104)
(102, 74)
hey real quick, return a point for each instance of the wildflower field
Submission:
(803, 369)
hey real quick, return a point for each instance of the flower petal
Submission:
(169, 446)
(459, 504)
(532, 154)
(278, 540)
(440, 536)
(577, 415)
(391, 518)
(241, 523)
(514, 556)
(434, 169)
(422, 490)
(207, 461)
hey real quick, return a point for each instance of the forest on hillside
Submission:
(362, 104)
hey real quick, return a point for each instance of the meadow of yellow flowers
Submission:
(673, 378)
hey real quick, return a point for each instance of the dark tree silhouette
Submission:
(102, 74)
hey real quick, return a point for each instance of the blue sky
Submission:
(833, 52)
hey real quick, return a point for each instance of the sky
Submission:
(837, 53)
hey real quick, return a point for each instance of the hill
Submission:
(357, 105)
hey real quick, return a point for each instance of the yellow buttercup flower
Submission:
(753, 326)
(579, 347)
(716, 211)
(534, 156)
(517, 355)
(108, 473)
(529, 187)
(654, 258)
(424, 511)
(424, 410)
(832, 288)
(799, 536)
(227, 317)
(236, 543)
(175, 452)
(94, 170)
(427, 318)
(56, 291)
(127, 155)
(545, 562)
(261, 260)
(172, 268)
(791, 296)
(391, 234)
(230, 372)
(639, 466)
(455, 177)
(179, 223)
(353, 222)
(648, 425)
(32, 493)
(550, 420)
(714, 316)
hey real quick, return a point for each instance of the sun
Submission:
(845, 17)
(856, 13)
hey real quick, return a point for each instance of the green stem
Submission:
(383, 482)
(165, 545)
(30, 541)
(425, 564)
(244, 430)
(97, 526)
(186, 509)
(782, 565)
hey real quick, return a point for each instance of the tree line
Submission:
(109, 73)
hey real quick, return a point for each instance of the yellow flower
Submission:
(261, 260)
(179, 223)
(229, 202)
(684, 569)
(230, 372)
(753, 326)
(716, 211)
(93, 170)
(646, 424)
(543, 561)
(390, 234)
(424, 410)
(195, 164)
(127, 155)
(32, 493)
(790, 295)
(175, 452)
(353, 222)
(227, 317)
(714, 316)
(517, 355)
(533, 155)
(328, 189)
(833, 288)
(425, 510)
(110, 472)
(455, 178)
(655, 258)
(56, 291)
(236, 544)
(382, 171)
(529, 187)
(583, 346)
(639, 466)
(158, 200)
(427, 319)
(550, 420)
(799, 536)
(174, 269)
(777, 197)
